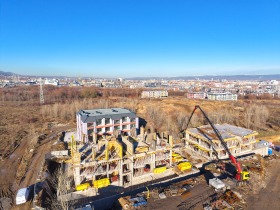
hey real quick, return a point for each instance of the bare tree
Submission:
(57, 187)
(256, 116)
(156, 115)
(181, 119)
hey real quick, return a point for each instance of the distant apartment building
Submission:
(154, 94)
(222, 96)
(196, 95)
(54, 82)
(96, 122)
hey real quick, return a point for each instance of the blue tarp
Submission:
(138, 201)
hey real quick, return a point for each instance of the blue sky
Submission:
(127, 38)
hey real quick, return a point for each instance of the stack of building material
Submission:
(230, 197)
(125, 202)
(159, 170)
(184, 166)
(154, 193)
(82, 187)
(138, 201)
(162, 195)
(101, 183)
(176, 158)
(141, 149)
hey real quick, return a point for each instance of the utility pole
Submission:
(41, 92)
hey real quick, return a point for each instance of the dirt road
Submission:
(269, 197)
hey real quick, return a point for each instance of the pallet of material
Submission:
(178, 172)
(125, 202)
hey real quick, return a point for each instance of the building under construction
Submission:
(203, 140)
(125, 160)
(109, 151)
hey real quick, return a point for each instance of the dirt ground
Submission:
(268, 197)
(34, 138)
(26, 135)
(275, 138)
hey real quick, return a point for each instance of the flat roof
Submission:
(227, 131)
(114, 113)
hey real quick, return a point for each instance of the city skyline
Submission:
(139, 38)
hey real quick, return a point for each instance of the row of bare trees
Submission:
(67, 110)
(253, 116)
(54, 94)
(256, 116)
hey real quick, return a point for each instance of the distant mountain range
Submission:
(215, 77)
(3, 73)
(200, 77)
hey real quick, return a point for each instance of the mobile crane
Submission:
(240, 175)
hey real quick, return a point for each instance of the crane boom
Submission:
(239, 175)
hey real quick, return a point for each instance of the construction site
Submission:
(110, 155)
(113, 161)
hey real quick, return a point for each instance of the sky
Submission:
(132, 38)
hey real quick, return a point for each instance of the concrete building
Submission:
(126, 161)
(222, 96)
(96, 122)
(54, 82)
(203, 140)
(154, 94)
(196, 95)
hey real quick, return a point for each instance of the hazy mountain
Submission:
(4, 73)
(215, 77)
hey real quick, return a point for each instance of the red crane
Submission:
(240, 175)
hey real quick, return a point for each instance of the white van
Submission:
(22, 195)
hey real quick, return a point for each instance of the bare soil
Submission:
(22, 147)
(269, 196)
(27, 133)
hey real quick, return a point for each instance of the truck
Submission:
(22, 195)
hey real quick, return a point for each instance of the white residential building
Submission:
(91, 123)
(154, 94)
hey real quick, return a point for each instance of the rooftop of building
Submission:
(92, 115)
(227, 131)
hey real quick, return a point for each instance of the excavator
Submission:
(241, 176)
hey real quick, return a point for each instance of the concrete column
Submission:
(170, 157)
(251, 146)
(131, 166)
(153, 164)
(107, 170)
(121, 173)
(77, 176)
(93, 177)
(142, 131)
